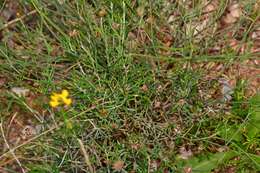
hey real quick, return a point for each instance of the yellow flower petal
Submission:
(67, 101)
(64, 93)
(54, 103)
(55, 97)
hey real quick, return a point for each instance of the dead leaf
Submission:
(256, 34)
(73, 33)
(102, 13)
(228, 19)
(235, 10)
(135, 146)
(187, 170)
(131, 36)
(144, 88)
(8, 14)
(114, 126)
(103, 112)
(115, 26)
(154, 165)
(231, 170)
(157, 104)
(222, 149)
(209, 8)
(150, 20)
(185, 153)
(2, 81)
(140, 11)
(118, 165)
(181, 102)
(159, 88)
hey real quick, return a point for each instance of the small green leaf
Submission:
(207, 164)
(253, 124)
(231, 132)
(256, 160)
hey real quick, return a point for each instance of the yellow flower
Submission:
(58, 99)
(54, 103)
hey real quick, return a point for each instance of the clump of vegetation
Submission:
(146, 86)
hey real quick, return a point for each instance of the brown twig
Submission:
(10, 149)
(17, 19)
(86, 156)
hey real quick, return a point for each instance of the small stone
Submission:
(21, 92)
